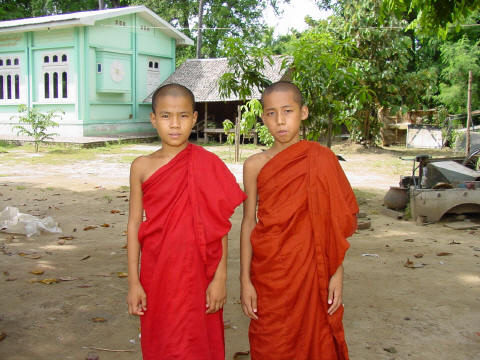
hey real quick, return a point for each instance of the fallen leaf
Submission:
(239, 354)
(61, 242)
(85, 257)
(49, 281)
(227, 324)
(89, 227)
(6, 273)
(454, 243)
(391, 350)
(30, 256)
(2, 335)
(115, 211)
(121, 196)
(408, 240)
(85, 286)
(10, 279)
(122, 274)
(444, 253)
(412, 265)
(37, 272)
(66, 278)
(105, 225)
(418, 256)
(66, 237)
(124, 246)
(98, 319)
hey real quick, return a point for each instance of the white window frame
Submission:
(13, 70)
(60, 67)
(153, 74)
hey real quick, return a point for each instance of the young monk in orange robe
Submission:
(188, 196)
(291, 257)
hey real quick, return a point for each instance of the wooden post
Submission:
(205, 140)
(200, 25)
(469, 114)
(237, 133)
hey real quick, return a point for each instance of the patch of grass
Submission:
(50, 188)
(124, 188)
(126, 158)
(108, 198)
(21, 187)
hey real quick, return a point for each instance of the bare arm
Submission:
(335, 291)
(137, 301)
(248, 293)
(217, 289)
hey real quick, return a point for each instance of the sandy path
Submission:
(425, 313)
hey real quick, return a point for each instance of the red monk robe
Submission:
(306, 210)
(188, 204)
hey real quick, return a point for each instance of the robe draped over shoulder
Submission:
(188, 203)
(306, 210)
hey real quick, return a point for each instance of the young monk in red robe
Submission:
(292, 249)
(188, 196)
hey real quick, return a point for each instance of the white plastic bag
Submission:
(13, 221)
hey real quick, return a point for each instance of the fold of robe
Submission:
(306, 210)
(188, 203)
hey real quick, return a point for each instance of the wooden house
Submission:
(202, 76)
(95, 66)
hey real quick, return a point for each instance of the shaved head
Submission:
(284, 86)
(173, 89)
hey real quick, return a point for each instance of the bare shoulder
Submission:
(255, 163)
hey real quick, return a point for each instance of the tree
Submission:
(458, 59)
(221, 20)
(325, 73)
(35, 124)
(431, 16)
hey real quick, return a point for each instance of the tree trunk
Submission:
(237, 133)
(200, 25)
(329, 131)
(101, 4)
(469, 114)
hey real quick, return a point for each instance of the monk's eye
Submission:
(288, 110)
(270, 113)
(164, 116)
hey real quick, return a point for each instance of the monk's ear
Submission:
(195, 116)
(304, 112)
(152, 118)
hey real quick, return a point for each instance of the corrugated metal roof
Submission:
(88, 18)
(201, 77)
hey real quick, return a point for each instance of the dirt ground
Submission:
(391, 311)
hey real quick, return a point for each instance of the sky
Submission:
(293, 15)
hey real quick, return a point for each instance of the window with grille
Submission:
(56, 76)
(10, 79)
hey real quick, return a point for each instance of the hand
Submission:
(335, 290)
(216, 295)
(249, 300)
(136, 300)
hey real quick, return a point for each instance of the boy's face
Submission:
(282, 115)
(173, 119)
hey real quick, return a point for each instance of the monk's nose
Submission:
(175, 122)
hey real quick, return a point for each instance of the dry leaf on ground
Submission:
(410, 264)
(444, 253)
(49, 281)
(89, 227)
(37, 272)
(105, 225)
(122, 274)
(98, 319)
(66, 237)
(240, 354)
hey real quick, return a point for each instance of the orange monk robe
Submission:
(188, 204)
(306, 210)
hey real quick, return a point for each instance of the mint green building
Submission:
(96, 66)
